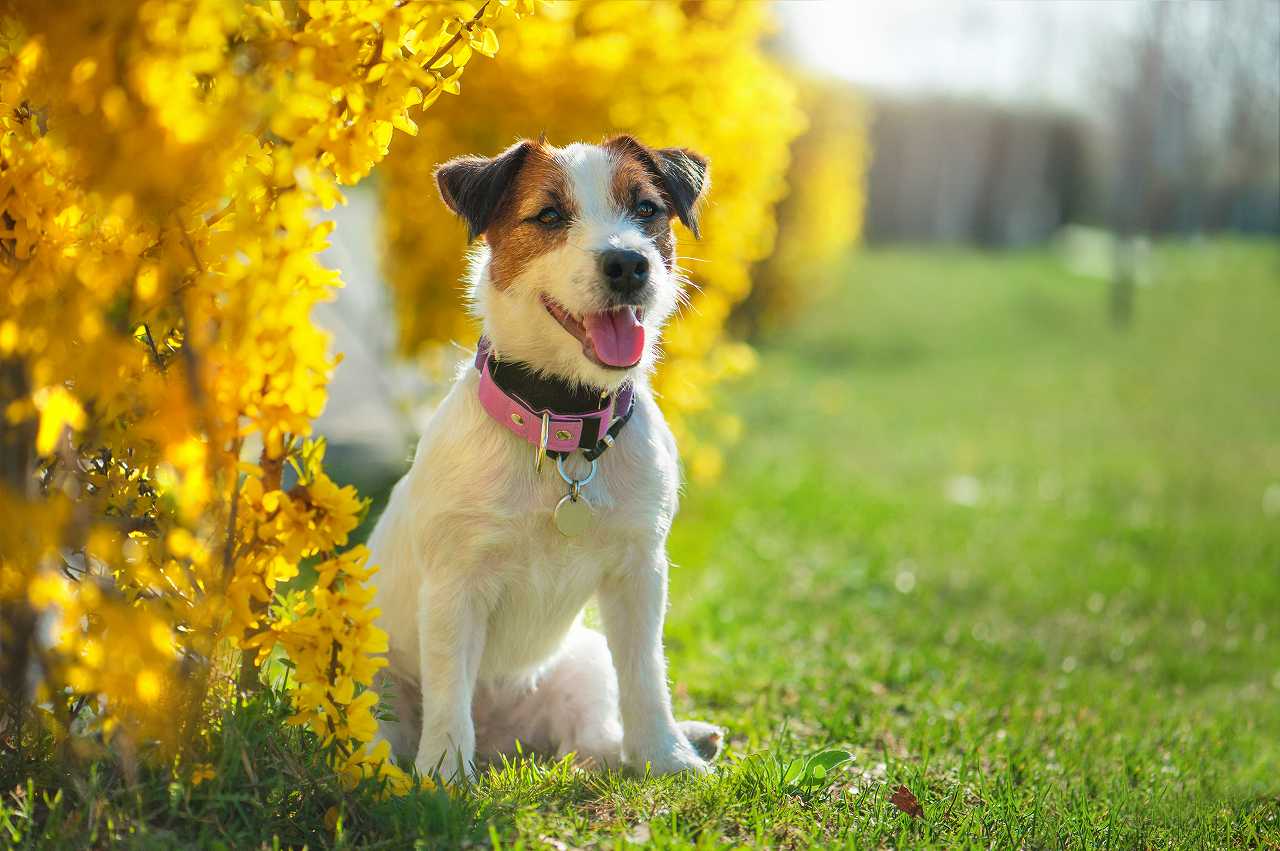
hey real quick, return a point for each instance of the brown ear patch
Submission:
(632, 180)
(679, 174)
(515, 237)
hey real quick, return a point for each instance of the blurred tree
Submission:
(1194, 127)
(1135, 125)
(1248, 68)
(958, 170)
(822, 214)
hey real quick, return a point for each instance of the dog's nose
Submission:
(624, 271)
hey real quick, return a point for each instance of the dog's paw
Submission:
(680, 757)
(706, 739)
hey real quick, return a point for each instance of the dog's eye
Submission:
(549, 216)
(646, 209)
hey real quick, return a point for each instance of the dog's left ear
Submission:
(681, 173)
(685, 175)
(474, 187)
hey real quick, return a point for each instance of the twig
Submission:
(228, 553)
(465, 28)
(151, 344)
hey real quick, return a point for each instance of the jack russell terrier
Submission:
(547, 476)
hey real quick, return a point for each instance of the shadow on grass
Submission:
(262, 782)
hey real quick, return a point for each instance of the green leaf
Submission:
(822, 764)
(814, 770)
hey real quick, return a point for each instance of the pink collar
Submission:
(521, 401)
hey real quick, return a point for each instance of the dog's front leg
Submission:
(632, 608)
(451, 631)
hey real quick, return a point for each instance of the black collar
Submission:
(545, 392)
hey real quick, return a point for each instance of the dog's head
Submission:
(577, 273)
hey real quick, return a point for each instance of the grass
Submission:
(1021, 563)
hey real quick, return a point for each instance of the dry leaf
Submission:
(905, 801)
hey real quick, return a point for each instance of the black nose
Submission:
(624, 271)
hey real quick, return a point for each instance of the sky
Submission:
(1007, 50)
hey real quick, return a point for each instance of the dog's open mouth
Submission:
(612, 338)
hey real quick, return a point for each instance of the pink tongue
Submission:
(616, 335)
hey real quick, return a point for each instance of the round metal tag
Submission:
(572, 515)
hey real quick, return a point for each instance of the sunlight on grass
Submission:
(1019, 562)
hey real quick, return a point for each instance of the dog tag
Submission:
(572, 515)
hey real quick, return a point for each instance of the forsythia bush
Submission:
(682, 74)
(159, 370)
(821, 217)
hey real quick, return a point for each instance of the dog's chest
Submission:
(538, 602)
(550, 576)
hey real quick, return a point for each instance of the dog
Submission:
(546, 477)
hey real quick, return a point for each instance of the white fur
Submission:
(480, 594)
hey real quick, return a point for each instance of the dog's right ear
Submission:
(473, 187)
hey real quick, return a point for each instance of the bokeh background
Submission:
(995, 502)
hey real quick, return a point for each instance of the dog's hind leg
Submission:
(580, 694)
(573, 708)
(570, 706)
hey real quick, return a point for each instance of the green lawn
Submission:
(1004, 555)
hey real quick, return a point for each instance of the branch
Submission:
(465, 28)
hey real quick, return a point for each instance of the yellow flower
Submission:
(47, 589)
(58, 410)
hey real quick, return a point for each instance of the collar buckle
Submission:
(540, 451)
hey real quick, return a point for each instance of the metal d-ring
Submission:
(575, 485)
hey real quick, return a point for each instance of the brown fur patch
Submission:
(634, 181)
(514, 240)
(665, 241)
